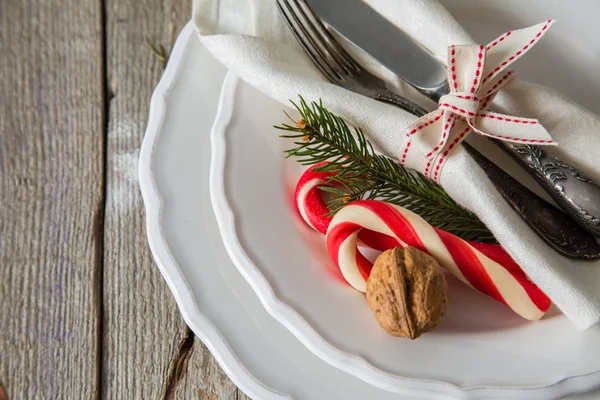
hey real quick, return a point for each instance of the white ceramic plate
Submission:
(256, 352)
(480, 350)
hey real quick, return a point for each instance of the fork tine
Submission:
(318, 37)
(299, 31)
(327, 40)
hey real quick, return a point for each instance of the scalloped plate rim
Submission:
(196, 320)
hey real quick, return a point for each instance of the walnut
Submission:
(407, 291)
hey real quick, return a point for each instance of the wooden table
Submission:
(84, 312)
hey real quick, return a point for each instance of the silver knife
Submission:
(363, 26)
(577, 193)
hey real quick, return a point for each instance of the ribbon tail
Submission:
(511, 129)
(508, 48)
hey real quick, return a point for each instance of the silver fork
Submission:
(335, 63)
(552, 225)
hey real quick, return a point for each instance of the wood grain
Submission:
(203, 378)
(143, 331)
(51, 198)
(84, 312)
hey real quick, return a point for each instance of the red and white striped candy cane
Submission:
(486, 268)
(307, 198)
(314, 211)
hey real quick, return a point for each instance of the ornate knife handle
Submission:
(577, 193)
(556, 228)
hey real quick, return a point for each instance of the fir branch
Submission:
(362, 173)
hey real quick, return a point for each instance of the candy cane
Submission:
(308, 199)
(493, 273)
(314, 210)
(315, 213)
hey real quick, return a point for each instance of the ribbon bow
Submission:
(475, 74)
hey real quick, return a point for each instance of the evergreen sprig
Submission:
(362, 173)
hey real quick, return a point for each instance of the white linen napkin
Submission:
(252, 40)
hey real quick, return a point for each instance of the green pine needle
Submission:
(364, 174)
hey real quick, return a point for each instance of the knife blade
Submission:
(373, 33)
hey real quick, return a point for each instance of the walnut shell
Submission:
(407, 291)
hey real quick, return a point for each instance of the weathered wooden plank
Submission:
(148, 352)
(201, 378)
(51, 198)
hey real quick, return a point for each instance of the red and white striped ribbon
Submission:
(475, 74)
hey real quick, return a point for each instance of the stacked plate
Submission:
(252, 281)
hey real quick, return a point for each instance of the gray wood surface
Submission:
(51, 198)
(84, 312)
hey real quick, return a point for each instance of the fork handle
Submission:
(553, 226)
(392, 98)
